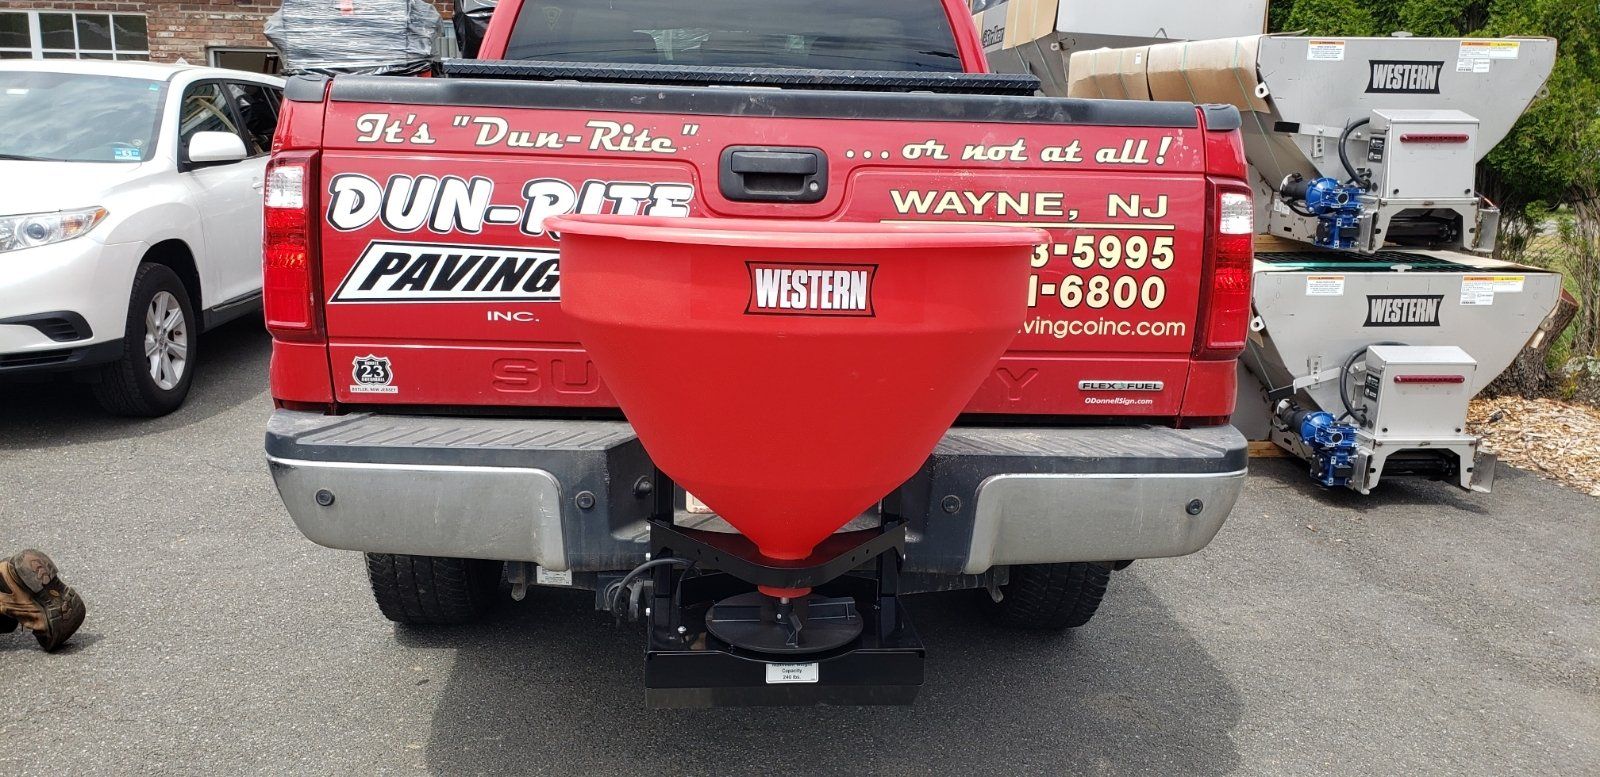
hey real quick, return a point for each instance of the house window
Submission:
(70, 35)
(249, 60)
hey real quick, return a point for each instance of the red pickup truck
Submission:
(434, 410)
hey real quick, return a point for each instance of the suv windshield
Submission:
(817, 34)
(72, 117)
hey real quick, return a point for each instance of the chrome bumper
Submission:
(567, 494)
(431, 510)
(1037, 519)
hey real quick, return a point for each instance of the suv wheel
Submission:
(1048, 597)
(158, 348)
(431, 590)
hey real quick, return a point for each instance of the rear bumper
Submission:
(574, 495)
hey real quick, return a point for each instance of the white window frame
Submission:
(36, 37)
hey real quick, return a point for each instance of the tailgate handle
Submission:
(773, 174)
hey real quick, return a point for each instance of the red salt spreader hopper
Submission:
(789, 375)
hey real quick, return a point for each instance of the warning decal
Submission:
(1489, 49)
(1325, 50)
(1324, 285)
(1480, 289)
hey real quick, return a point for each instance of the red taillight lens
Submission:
(1225, 304)
(288, 251)
(1435, 137)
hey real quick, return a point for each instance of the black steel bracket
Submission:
(687, 666)
(738, 556)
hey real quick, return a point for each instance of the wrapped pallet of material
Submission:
(471, 21)
(355, 36)
(1039, 36)
(1202, 71)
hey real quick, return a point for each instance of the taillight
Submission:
(1435, 137)
(289, 253)
(1225, 291)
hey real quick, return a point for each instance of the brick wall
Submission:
(187, 29)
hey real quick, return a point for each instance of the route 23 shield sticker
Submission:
(372, 375)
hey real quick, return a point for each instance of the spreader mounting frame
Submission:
(738, 556)
(688, 666)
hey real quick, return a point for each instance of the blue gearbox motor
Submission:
(1337, 207)
(1332, 446)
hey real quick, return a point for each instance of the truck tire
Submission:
(131, 386)
(432, 590)
(1048, 597)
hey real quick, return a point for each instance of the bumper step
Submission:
(575, 494)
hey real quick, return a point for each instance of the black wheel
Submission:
(158, 348)
(430, 590)
(1048, 597)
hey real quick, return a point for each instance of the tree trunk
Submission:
(1528, 376)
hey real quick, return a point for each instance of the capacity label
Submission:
(793, 673)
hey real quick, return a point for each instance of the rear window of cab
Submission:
(815, 34)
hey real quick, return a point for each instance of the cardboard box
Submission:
(1029, 20)
(1208, 71)
(1116, 74)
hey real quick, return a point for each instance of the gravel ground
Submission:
(1419, 630)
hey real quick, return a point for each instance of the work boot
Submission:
(32, 594)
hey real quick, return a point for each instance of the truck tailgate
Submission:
(442, 285)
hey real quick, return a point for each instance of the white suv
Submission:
(130, 219)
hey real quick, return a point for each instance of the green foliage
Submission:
(1440, 18)
(1554, 150)
(1326, 17)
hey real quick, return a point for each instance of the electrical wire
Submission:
(1344, 155)
(1344, 382)
(677, 590)
(615, 590)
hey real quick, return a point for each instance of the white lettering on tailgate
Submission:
(450, 204)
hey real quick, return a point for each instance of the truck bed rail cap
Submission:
(305, 88)
(696, 75)
(745, 101)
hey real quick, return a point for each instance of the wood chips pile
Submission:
(1558, 440)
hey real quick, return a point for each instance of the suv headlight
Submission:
(37, 229)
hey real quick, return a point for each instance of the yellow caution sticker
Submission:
(1489, 49)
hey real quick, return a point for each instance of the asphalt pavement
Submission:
(1419, 630)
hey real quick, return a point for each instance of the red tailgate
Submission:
(441, 284)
